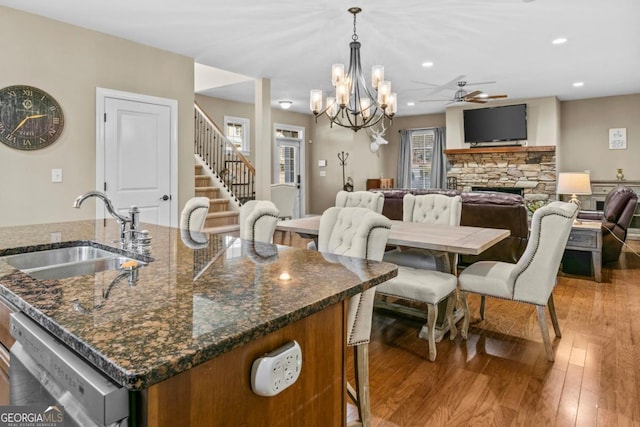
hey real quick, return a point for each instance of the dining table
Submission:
(438, 237)
(451, 239)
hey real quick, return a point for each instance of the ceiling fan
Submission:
(462, 95)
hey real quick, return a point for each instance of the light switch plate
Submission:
(323, 173)
(56, 175)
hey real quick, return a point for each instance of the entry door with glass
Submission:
(288, 163)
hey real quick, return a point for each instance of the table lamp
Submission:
(574, 183)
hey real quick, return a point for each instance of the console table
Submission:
(587, 236)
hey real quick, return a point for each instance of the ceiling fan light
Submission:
(482, 95)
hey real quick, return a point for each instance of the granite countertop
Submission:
(193, 302)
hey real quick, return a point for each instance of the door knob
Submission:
(165, 197)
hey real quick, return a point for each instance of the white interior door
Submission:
(138, 158)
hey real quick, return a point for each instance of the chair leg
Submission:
(451, 302)
(554, 317)
(467, 314)
(483, 301)
(545, 332)
(361, 359)
(432, 315)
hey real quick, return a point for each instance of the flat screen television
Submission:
(505, 123)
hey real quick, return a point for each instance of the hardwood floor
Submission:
(500, 375)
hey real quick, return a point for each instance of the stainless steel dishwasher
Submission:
(44, 371)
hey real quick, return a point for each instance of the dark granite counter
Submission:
(193, 302)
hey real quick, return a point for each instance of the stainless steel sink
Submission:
(67, 262)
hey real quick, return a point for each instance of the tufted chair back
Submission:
(283, 197)
(534, 276)
(194, 213)
(432, 209)
(258, 220)
(362, 199)
(359, 233)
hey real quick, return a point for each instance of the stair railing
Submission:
(223, 157)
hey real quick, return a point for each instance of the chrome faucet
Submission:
(126, 236)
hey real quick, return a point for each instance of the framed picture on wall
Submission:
(618, 139)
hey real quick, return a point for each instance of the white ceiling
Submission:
(294, 42)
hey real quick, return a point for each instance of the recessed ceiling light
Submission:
(578, 84)
(411, 104)
(560, 40)
(285, 104)
(427, 64)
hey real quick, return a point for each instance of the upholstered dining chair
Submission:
(429, 287)
(192, 219)
(283, 197)
(364, 199)
(533, 278)
(258, 220)
(360, 233)
(194, 213)
(432, 209)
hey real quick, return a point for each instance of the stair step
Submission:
(226, 229)
(210, 192)
(218, 205)
(202, 181)
(218, 219)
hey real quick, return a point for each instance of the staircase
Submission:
(220, 219)
(222, 174)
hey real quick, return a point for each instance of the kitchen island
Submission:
(183, 336)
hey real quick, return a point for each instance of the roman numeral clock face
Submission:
(30, 118)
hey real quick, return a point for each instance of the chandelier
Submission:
(354, 105)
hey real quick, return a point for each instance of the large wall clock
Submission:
(30, 118)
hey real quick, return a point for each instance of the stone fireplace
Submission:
(531, 170)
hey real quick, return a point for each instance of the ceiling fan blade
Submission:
(473, 94)
(476, 100)
(423, 83)
(480, 83)
(451, 84)
(495, 97)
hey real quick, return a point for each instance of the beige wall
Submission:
(217, 108)
(69, 63)
(543, 121)
(585, 128)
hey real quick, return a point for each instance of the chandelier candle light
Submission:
(354, 106)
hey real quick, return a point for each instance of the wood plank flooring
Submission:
(500, 375)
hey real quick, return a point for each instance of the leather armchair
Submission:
(619, 206)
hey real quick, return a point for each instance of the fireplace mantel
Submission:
(506, 149)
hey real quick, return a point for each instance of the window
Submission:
(237, 131)
(421, 156)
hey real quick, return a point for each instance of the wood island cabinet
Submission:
(218, 391)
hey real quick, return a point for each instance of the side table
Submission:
(587, 236)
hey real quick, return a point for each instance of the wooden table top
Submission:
(449, 238)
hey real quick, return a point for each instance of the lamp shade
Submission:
(573, 183)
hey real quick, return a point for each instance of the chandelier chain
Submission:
(354, 37)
